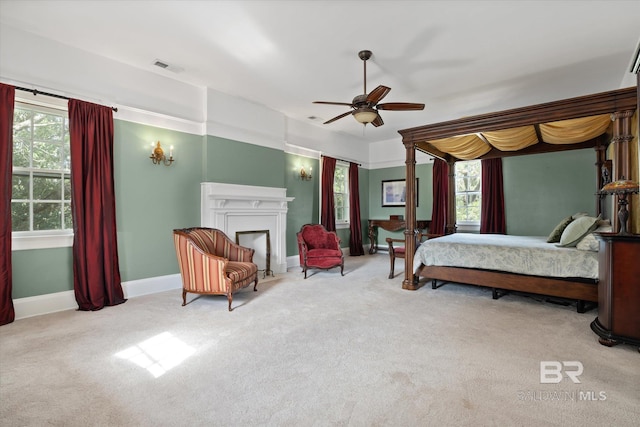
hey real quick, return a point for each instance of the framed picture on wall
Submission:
(394, 193)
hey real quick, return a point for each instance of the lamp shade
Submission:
(620, 186)
(365, 115)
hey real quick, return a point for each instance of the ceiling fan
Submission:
(365, 107)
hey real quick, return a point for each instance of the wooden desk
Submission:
(390, 225)
(618, 290)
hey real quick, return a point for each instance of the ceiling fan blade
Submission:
(400, 106)
(338, 117)
(348, 104)
(377, 94)
(378, 121)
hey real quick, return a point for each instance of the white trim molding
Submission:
(65, 300)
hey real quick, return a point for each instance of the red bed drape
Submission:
(328, 212)
(7, 101)
(96, 277)
(355, 242)
(440, 196)
(492, 217)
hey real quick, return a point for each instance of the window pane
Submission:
(19, 216)
(47, 216)
(22, 124)
(47, 127)
(47, 155)
(68, 220)
(20, 187)
(67, 188)
(47, 188)
(474, 183)
(21, 153)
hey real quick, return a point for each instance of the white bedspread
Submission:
(530, 255)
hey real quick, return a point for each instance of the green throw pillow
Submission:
(578, 228)
(555, 235)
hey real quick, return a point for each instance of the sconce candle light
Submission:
(157, 155)
(304, 176)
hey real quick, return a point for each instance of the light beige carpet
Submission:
(327, 351)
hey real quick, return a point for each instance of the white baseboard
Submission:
(66, 300)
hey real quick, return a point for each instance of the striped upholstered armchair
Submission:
(211, 263)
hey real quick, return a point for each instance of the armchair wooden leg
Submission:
(230, 298)
(393, 264)
(255, 286)
(342, 269)
(184, 297)
(305, 271)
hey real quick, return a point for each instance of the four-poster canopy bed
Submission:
(592, 121)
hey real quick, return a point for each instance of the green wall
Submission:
(541, 189)
(234, 162)
(41, 271)
(305, 208)
(425, 197)
(152, 200)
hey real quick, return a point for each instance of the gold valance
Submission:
(575, 130)
(466, 147)
(513, 139)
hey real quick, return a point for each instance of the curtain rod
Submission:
(343, 160)
(53, 95)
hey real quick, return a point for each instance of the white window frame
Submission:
(41, 239)
(346, 222)
(467, 225)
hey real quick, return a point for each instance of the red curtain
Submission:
(7, 100)
(355, 243)
(328, 212)
(440, 196)
(96, 273)
(492, 218)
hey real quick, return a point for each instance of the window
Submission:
(468, 186)
(341, 194)
(41, 182)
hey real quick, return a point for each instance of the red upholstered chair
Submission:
(319, 248)
(211, 263)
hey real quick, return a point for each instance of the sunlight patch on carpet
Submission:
(158, 354)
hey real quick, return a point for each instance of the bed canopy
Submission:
(592, 121)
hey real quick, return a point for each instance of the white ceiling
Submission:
(459, 58)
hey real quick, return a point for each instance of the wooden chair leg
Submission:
(392, 258)
(184, 297)
(255, 286)
(230, 298)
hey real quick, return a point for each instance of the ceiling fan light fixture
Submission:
(365, 115)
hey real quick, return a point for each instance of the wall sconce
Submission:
(157, 155)
(304, 176)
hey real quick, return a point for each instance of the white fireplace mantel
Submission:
(233, 208)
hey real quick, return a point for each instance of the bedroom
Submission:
(152, 198)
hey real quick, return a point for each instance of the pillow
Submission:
(578, 215)
(555, 235)
(577, 229)
(589, 242)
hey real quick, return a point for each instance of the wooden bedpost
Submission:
(410, 215)
(622, 137)
(603, 173)
(451, 200)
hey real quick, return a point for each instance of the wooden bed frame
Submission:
(621, 104)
